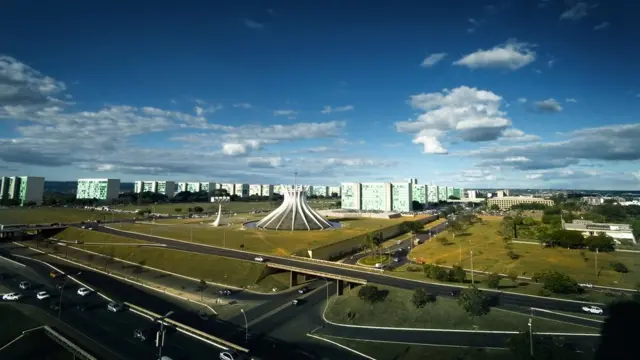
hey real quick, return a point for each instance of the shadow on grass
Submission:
(464, 234)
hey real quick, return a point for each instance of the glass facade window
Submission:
(442, 193)
(432, 193)
(419, 194)
(350, 196)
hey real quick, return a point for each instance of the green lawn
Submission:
(397, 310)
(208, 267)
(235, 206)
(43, 215)
(391, 351)
(489, 254)
(264, 241)
(90, 236)
(372, 260)
(18, 320)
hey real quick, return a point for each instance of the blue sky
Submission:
(537, 94)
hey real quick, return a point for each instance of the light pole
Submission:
(61, 292)
(596, 262)
(471, 252)
(160, 334)
(246, 326)
(530, 338)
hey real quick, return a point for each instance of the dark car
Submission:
(303, 290)
(224, 292)
(81, 307)
(55, 306)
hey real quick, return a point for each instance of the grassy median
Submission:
(397, 310)
(90, 236)
(490, 254)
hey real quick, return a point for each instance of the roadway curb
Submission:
(341, 346)
(12, 261)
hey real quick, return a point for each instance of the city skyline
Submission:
(536, 94)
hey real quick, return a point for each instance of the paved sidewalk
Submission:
(164, 282)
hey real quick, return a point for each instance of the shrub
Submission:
(368, 293)
(493, 280)
(443, 241)
(513, 255)
(413, 268)
(557, 282)
(619, 267)
(473, 301)
(421, 297)
(457, 274)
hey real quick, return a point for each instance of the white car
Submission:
(11, 296)
(42, 295)
(84, 291)
(592, 310)
(379, 266)
(259, 259)
(114, 307)
(229, 355)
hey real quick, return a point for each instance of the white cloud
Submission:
(571, 100)
(534, 176)
(474, 21)
(253, 24)
(601, 26)
(513, 134)
(291, 114)
(522, 100)
(512, 55)
(243, 105)
(265, 162)
(433, 59)
(468, 113)
(240, 148)
(550, 105)
(576, 12)
(328, 109)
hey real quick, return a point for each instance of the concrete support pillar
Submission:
(339, 287)
(293, 280)
(307, 277)
(352, 285)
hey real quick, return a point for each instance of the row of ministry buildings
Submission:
(108, 189)
(394, 196)
(24, 189)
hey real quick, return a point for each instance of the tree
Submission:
(557, 282)
(635, 226)
(457, 274)
(493, 281)
(198, 209)
(513, 276)
(433, 271)
(494, 207)
(567, 238)
(473, 301)
(619, 267)
(370, 294)
(602, 242)
(421, 297)
(178, 210)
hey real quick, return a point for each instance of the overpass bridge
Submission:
(295, 272)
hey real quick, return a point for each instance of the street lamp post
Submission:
(160, 334)
(246, 326)
(596, 262)
(61, 293)
(530, 338)
(471, 252)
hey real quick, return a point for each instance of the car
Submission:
(55, 306)
(115, 307)
(84, 291)
(396, 259)
(224, 292)
(296, 302)
(259, 259)
(593, 310)
(303, 290)
(82, 307)
(42, 295)
(24, 285)
(140, 334)
(11, 296)
(229, 355)
(379, 266)
(55, 274)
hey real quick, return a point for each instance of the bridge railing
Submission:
(316, 273)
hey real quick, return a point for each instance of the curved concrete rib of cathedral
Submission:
(294, 213)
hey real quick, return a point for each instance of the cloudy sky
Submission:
(531, 93)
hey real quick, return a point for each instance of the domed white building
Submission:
(294, 213)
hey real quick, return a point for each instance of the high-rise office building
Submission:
(100, 189)
(392, 196)
(157, 187)
(22, 188)
(242, 190)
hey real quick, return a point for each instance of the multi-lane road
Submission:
(501, 298)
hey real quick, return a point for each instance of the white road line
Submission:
(284, 306)
(562, 314)
(12, 261)
(341, 346)
(413, 343)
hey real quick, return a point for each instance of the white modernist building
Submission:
(320, 190)
(335, 190)
(267, 190)
(22, 188)
(242, 190)
(392, 196)
(255, 190)
(100, 189)
(294, 213)
(157, 187)
(231, 188)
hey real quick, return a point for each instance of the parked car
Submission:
(303, 290)
(24, 285)
(593, 310)
(42, 295)
(259, 259)
(11, 296)
(115, 307)
(84, 291)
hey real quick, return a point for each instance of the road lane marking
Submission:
(563, 314)
(284, 306)
(414, 343)
(341, 346)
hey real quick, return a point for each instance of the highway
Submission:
(501, 298)
(110, 335)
